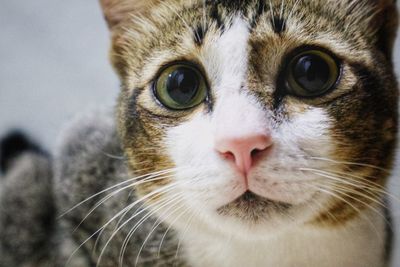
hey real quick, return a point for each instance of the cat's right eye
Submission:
(180, 87)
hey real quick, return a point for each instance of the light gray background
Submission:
(54, 64)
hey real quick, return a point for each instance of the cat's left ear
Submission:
(387, 21)
(117, 11)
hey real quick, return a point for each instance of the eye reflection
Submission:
(312, 73)
(180, 87)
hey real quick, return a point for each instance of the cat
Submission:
(247, 133)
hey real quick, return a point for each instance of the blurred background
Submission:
(54, 64)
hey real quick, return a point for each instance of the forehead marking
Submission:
(278, 24)
(228, 59)
(199, 34)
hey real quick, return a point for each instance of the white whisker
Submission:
(272, 13)
(130, 206)
(361, 183)
(114, 193)
(160, 205)
(156, 224)
(350, 163)
(119, 184)
(336, 195)
(282, 8)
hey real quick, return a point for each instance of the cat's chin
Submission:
(253, 209)
(252, 216)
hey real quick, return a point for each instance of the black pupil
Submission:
(182, 85)
(312, 73)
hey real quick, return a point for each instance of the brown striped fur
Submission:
(363, 106)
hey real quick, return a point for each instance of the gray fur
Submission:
(88, 160)
(24, 227)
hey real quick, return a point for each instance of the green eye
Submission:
(312, 73)
(180, 87)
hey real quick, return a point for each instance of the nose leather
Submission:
(242, 150)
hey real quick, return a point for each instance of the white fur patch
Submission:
(225, 58)
(356, 245)
(305, 135)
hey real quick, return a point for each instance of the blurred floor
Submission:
(54, 64)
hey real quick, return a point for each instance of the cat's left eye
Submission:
(180, 87)
(312, 73)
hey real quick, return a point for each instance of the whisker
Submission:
(156, 193)
(116, 192)
(369, 181)
(115, 186)
(272, 13)
(122, 157)
(353, 191)
(358, 210)
(157, 224)
(335, 195)
(165, 234)
(351, 163)
(184, 234)
(364, 183)
(322, 207)
(182, 183)
(342, 179)
(130, 206)
(282, 7)
(159, 205)
(170, 186)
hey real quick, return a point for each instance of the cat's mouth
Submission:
(252, 207)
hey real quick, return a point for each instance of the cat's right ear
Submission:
(117, 11)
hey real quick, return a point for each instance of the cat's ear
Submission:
(387, 21)
(116, 11)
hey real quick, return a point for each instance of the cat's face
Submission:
(268, 113)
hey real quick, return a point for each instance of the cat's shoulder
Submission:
(88, 156)
(87, 134)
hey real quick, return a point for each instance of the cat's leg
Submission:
(26, 202)
(30, 234)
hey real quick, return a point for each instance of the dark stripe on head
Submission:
(232, 5)
(199, 34)
(261, 8)
(278, 24)
(214, 15)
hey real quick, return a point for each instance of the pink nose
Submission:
(243, 150)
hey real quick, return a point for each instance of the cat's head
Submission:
(256, 115)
